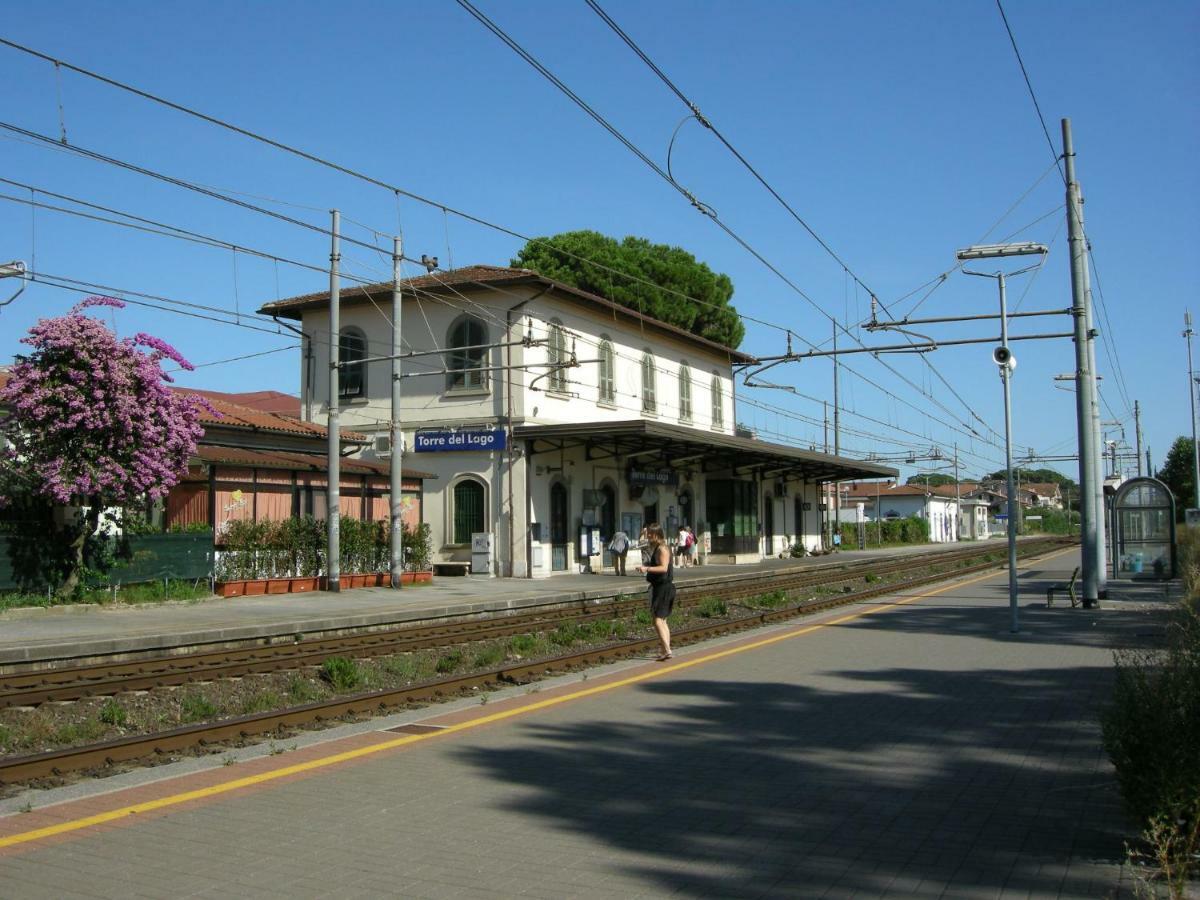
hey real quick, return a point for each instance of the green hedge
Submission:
(909, 530)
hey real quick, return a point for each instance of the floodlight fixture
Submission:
(991, 251)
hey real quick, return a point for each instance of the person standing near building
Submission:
(619, 547)
(659, 573)
(689, 558)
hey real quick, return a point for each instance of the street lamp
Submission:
(1003, 358)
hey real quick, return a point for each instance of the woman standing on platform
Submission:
(659, 572)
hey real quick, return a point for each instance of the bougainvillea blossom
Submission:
(92, 420)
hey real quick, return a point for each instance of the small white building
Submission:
(888, 500)
(552, 417)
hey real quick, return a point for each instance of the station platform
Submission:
(909, 746)
(52, 635)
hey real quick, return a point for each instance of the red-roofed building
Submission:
(266, 466)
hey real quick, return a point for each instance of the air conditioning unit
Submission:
(383, 446)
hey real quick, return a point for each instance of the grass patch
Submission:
(263, 701)
(773, 600)
(712, 608)
(113, 713)
(149, 592)
(408, 667)
(642, 617)
(341, 673)
(195, 707)
(6, 737)
(301, 690)
(448, 662)
(488, 656)
(84, 732)
(524, 644)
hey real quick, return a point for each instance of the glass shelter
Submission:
(1144, 511)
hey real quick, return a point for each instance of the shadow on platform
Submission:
(899, 781)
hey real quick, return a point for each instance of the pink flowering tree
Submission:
(92, 423)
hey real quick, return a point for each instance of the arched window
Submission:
(608, 390)
(718, 402)
(556, 355)
(352, 376)
(649, 381)
(466, 355)
(467, 514)
(608, 512)
(685, 393)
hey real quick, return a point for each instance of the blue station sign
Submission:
(441, 441)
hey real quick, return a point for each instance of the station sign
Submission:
(648, 477)
(441, 441)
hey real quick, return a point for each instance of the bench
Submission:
(1068, 586)
(452, 568)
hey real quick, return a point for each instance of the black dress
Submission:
(662, 589)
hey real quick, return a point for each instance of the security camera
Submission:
(1004, 358)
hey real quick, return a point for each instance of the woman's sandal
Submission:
(665, 657)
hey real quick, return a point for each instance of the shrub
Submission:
(1152, 734)
(711, 608)
(343, 674)
(449, 662)
(418, 548)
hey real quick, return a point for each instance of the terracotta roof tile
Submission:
(229, 414)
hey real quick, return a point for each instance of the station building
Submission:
(550, 417)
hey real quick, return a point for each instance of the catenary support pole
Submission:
(395, 434)
(1137, 431)
(1006, 377)
(957, 498)
(333, 505)
(1187, 333)
(1097, 428)
(1085, 383)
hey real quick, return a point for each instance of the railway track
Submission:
(102, 755)
(107, 678)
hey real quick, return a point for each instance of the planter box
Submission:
(259, 586)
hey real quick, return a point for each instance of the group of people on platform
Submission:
(683, 548)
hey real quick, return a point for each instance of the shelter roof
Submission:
(280, 459)
(677, 447)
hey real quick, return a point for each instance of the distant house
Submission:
(267, 466)
(888, 500)
(1047, 495)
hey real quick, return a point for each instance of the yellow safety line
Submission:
(346, 756)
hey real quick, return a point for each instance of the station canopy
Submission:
(650, 444)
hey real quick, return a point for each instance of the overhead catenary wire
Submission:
(528, 57)
(395, 189)
(1108, 341)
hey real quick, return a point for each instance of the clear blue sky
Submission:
(900, 132)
